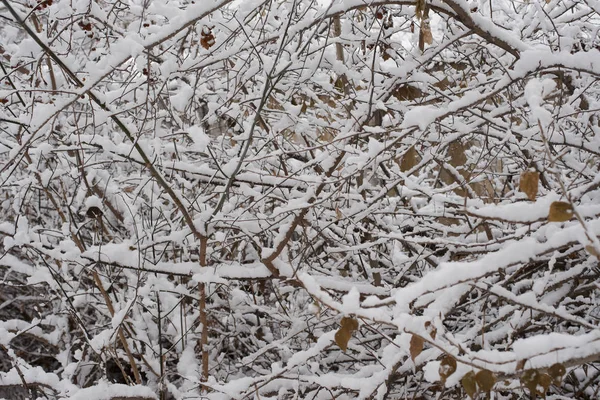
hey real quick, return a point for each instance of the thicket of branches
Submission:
(299, 199)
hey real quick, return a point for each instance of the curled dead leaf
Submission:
(431, 329)
(343, 335)
(207, 39)
(338, 214)
(426, 29)
(420, 7)
(94, 212)
(425, 36)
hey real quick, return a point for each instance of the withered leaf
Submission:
(349, 323)
(419, 8)
(416, 346)
(376, 279)
(207, 39)
(447, 367)
(469, 384)
(544, 380)
(342, 337)
(529, 379)
(557, 371)
(431, 329)
(338, 213)
(426, 31)
(485, 380)
(409, 159)
(592, 250)
(529, 184)
(560, 211)
(94, 212)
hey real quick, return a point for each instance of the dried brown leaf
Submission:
(94, 212)
(431, 329)
(350, 324)
(529, 184)
(485, 380)
(426, 31)
(529, 379)
(407, 92)
(416, 346)
(544, 380)
(342, 337)
(207, 39)
(447, 367)
(409, 159)
(420, 7)
(376, 279)
(560, 211)
(557, 371)
(592, 250)
(469, 384)
(338, 213)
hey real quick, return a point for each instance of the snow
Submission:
(535, 92)
(518, 212)
(448, 274)
(486, 272)
(106, 391)
(199, 137)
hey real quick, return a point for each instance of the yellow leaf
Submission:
(529, 184)
(416, 346)
(560, 211)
